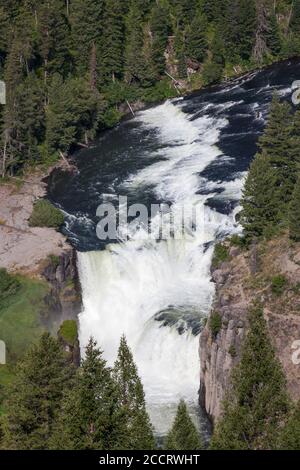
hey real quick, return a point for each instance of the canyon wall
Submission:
(247, 276)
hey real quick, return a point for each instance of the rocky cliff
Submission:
(268, 272)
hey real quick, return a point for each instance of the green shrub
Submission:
(212, 73)
(221, 254)
(54, 260)
(8, 285)
(239, 241)
(232, 351)
(68, 331)
(278, 284)
(44, 214)
(215, 323)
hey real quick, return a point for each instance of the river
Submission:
(196, 151)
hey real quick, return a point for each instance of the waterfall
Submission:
(157, 293)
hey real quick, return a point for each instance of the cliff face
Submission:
(270, 273)
(63, 299)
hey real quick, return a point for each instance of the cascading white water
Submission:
(127, 284)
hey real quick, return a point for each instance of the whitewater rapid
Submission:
(128, 284)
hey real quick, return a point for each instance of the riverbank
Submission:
(24, 248)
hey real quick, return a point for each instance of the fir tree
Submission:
(277, 144)
(257, 403)
(135, 43)
(260, 214)
(294, 213)
(295, 19)
(290, 436)
(90, 416)
(87, 22)
(183, 435)
(72, 113)
(35, 396)
(196, 41)
(159, 25)
(273, 39)
(138, 432)
(53, 38)
(112, 63)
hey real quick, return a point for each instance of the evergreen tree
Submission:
(134, 46)
(53, 38)
(277, 144)
(112, 63)
(295, 20)
(196, 41)
(185, 11)
(239, 29)
(294, 213)
(183, 435)
(260, 215)
(35, 396)
(90, 416)
(290, 436)
(87, 26)
(257, 403)
(159, 26)
(273, 40)
(71, 115)
(138, 433)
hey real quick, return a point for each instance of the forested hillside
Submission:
(69, 64)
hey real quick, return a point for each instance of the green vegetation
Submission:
(183, 435)
(138, 432)
(9, 285)
(44, 214)
(34, 396)
(290, 436)
(271, 194)
(49, 405)
(215, 323)
(279, 284)
(256, 405)
(69, 65)
(68, 332)
(294, 213)
(20, 315)
(221, 254)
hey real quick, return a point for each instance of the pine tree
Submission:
(196, 41)
(239, 29)
(260, 215)
(183, 435)
(290, 436)
(90, 416)
(53, 38)
(185, 11)
(257, 403)
(35, 396)
(135, 42)
(273, 39)
(112, 63)
(138, 433)
(159, 26)
(295, 20)
(294, 213)
(72, 113)
(86, 19)
(277, 144)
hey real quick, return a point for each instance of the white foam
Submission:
(126, 285)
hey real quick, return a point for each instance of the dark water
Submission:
(116, 154)
(193, 150)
